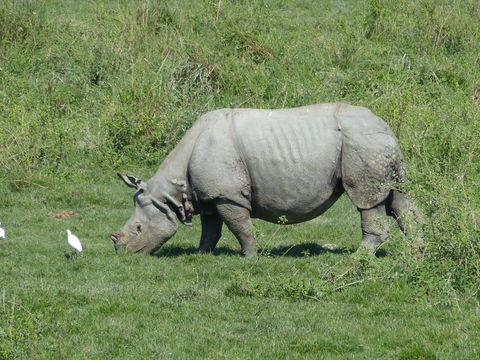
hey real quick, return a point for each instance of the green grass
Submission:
(296, 300)
(90, 88)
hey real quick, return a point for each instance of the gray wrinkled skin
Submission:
(238, 164)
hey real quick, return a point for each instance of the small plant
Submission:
(282, 220)
(305, 253)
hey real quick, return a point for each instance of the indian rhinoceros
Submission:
(237, 164)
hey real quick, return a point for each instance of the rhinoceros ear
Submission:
(132, 181)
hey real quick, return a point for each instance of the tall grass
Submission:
(88, 86)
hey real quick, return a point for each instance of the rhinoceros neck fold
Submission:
(175, 165)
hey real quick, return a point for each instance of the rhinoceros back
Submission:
(292, 157)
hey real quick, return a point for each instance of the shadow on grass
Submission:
(175, 250)
(307, 249)
(302, 250)
(381, 253)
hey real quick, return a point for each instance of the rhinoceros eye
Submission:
(139, 228)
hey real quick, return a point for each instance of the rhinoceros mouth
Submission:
(140, 246)
(139, 250)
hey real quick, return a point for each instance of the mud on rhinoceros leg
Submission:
(211, 232)
(374, 227)
(237, 219)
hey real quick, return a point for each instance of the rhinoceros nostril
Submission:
(115, 236)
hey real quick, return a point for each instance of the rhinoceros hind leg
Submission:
(407, 215)
(374, 227)
(211, 232)
(403, 211)
(237, 219)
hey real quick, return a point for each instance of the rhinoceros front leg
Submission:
(239, 222)
(211, 232)
(374, 227)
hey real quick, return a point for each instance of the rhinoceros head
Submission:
(153, 222)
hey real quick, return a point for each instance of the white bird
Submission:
(2, 232)
(73, 241)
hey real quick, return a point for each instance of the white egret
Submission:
(74, 242)
(2, 232)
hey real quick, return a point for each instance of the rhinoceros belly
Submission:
(292, 158)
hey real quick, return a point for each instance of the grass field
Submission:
(296, 300)
(89, 88)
